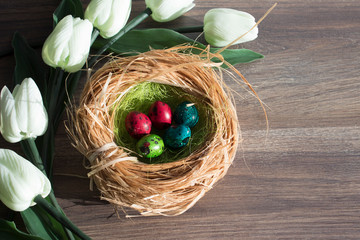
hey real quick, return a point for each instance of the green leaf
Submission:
(38, 222)
(68, 7)
(142, 40)
(46, 146)
(71, 84)
(235, 56)
(9, 231)
(28, 63)
(137, 41)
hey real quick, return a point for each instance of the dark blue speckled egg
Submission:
(177, 136)
(186, 113)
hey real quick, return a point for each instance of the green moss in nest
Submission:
(140, 98)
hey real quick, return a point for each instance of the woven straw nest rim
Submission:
(154, 189)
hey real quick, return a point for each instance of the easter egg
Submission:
(177, 136)
(186, 113)
(137, 124)
(150, 146)
(160, 115)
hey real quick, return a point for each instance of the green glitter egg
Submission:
(150, 146)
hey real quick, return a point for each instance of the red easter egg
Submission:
(137, 124)
(160, 115)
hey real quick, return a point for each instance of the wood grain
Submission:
(299, 180)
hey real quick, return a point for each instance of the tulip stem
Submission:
(94, 35)
(34, 155)
(47, 145)
(35, 158)
(57, 206)
(128, 27)
(60, 217)
(192, 29)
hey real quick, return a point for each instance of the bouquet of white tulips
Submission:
(31, 112)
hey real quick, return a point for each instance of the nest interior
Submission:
(140, 98)
(171, 187)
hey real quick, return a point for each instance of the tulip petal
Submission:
(168, 10)
(79, 45)
(180, 12)
(223, 25)
(55, 49)
(68, 45)
(16, 89)
(30, 112)
(120, 12)
(8, 120)
(20, 181)
(98, 12)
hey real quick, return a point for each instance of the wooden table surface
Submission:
(301, 180)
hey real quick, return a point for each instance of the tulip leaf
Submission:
(28, 63)
(9, 231)
(235, 56)
(143, 40)
(38, 222)
(68, 7)
(137, 41)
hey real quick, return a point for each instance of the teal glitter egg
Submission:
(150, 146)
(177, 136)
(187, 114)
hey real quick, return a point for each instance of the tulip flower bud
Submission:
(223, 25)
(22, 114)
(68, 45)
(20, 181)
(167, 10)
(109, 16)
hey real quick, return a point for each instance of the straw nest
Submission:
(154, 189)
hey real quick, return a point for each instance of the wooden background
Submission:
(299, 181)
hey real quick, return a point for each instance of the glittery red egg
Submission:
(160, 115)
(137, 124)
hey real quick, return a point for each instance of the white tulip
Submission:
(109, 16)
(20, 181)
(68, 45)
(167, 10)
(224, 25)
(22, 113)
